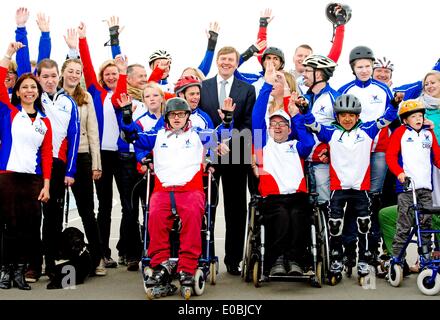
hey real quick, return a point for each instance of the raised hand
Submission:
(121, 62)
(21, 16)
(213, 27)
(124, 100)
(227, 110)
(266, 17)
(270, 74)
(71, 38)
(113, 21)
(43, 22)
(82, 30)
(13, 47)
(260, 45)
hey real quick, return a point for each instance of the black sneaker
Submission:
(133, 265)
(110, 263)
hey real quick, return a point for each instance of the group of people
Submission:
(278, 133)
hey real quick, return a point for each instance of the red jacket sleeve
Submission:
(338, 41)
(435, 150)
(46, 151)
(156, 75)
(262, 35)
(393, 151)
(89, 72)
(121, 87)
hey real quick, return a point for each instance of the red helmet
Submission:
(186, 82)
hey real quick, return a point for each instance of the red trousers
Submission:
(190, 207)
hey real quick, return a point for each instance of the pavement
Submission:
(120, 284)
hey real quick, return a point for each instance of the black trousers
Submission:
(104, 191)
(287, 227)
(53, 212)
(20, 217)
(130, 242)
(234, 183)
(83, 191)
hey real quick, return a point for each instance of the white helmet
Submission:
(383, 62)
(158, 54)
(323, 63)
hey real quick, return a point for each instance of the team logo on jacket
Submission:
(63, 108)
(359, 138)
(188, 144)
(164, 145)
(40, 130)
(375, 99)
(427, 144)
(409, 139)
(291, 149)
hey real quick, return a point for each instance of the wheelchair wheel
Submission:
(426, 284)
(395, 275)
(246, 270)
(320, 273)
(325, 246)
(256, 274)
(147, 272)
(213, 273)
(199, 283)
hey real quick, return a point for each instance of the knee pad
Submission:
(364, 224)
(335, 226)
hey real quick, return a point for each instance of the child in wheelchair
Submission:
(178, 151)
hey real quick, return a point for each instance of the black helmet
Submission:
(347, 103)
(275, 51)
(331, 16)
(361, 52)
(323, 63)
(176, 104)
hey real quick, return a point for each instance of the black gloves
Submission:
(249, 52)
(264, 22)
(228, 117)
(114, 36)
(212, 41)
(127, 114)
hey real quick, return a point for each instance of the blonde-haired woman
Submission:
(89, 158)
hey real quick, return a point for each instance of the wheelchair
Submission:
(208, 264)
(428, 280)
(254, 248)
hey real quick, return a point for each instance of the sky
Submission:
(405, 31)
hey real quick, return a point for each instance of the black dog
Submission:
(74, 263)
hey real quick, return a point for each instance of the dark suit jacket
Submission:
(243, 95)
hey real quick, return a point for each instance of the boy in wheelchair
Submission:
(412, 150)
(280, 167)
(178, 151)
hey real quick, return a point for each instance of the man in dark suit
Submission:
(234, 167)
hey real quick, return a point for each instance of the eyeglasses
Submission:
(281, 124)
(173, 115)
(308, 70)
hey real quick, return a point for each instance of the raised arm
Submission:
(114, 30)
(23, 58)
(342, 15)
(121, 87)
(13, 47)
(265, 18)
(212, 34)
(89, 71)
(45, 45)
(71, 39)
